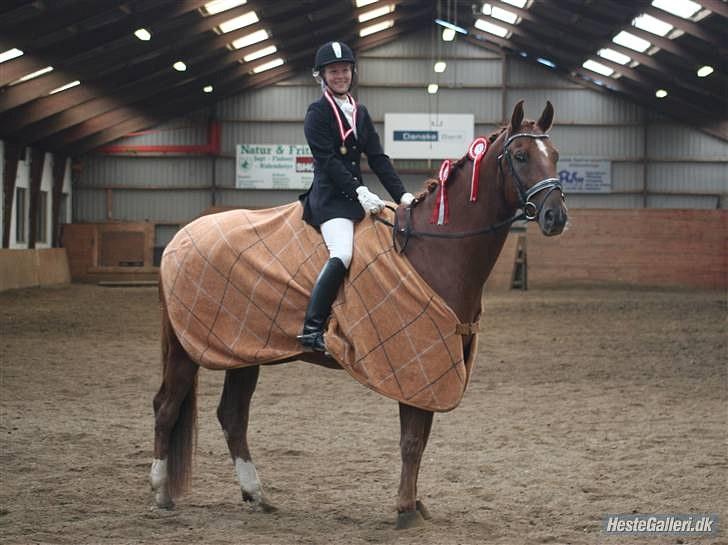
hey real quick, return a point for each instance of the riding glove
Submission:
(406, 199)
(369, 201)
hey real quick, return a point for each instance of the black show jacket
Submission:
(336, 176)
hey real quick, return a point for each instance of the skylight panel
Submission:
(682, 8)
(517, 3)
(267, 66)
(378, 27)
(241, 21)
(260, 53)
(250, 39)
(491, 28)
(218, 6)
(652, 24)
(614, 56)
(10, 54)
(64, 87)
(626, 39)
(598, 67)
(34, 74)
(504, 15)
(362, 3)
(378, 12)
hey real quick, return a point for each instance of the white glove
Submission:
(369, 201)
(406, 199)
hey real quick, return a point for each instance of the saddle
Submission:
(236, 286)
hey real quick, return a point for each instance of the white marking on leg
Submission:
(160, 483)
(248, 479)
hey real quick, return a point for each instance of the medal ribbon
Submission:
(344, 134)
(441, 210)
(476, 152)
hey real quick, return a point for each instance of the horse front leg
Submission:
(415, 426)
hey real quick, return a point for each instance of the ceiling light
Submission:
(34, 74)
(705, 71)
(179, 66)
(217, 6)
(432, 88)
(597, 67)
(517, 3)
(630, 40)
(448, 35)
(267, 66)
(378, 12)
(614, 56)
(440, 67)
(207, 89)
(378, 27)
(260, 53)
(362, 3)
(504, 15)
(64, 87)
(250, 39)
(546, 62)
(682, 8)
(10, 54)
(652, 24)
(660, 93)
(239, 22)
(487, 9)
(143, 34)
(498, 30)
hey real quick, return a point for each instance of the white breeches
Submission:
(338, 235)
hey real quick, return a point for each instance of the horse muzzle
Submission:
(552, 219)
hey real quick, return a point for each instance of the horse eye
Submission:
(521, 156)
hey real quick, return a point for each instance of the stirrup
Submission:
(313, 341)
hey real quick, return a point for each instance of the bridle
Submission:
(530, 210)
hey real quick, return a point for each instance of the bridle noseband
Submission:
(530, 210)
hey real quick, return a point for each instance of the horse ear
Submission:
(517, 116)
(547, 117)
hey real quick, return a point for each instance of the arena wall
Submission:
(33, 268)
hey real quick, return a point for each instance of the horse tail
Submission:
(183, 436)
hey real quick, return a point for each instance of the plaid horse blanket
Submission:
(236, 286)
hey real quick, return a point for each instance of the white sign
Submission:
(273, 166)
(585, 175)
(427, 136)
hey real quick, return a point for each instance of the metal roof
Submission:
(127, 84)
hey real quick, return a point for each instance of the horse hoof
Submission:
(422, 510)
(409, 519)
(259, 503)
(167, 504)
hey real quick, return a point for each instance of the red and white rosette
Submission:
(476, 152)
(441, 211)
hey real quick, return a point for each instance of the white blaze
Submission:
(542, 147)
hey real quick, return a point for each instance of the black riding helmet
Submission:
(330, 53)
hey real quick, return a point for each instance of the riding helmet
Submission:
(332, 52)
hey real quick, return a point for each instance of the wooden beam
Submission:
(10, 172)
(716, 6)
(37, 156)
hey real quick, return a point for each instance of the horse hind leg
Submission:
(175, 409)
(233, 414)
(415, 426)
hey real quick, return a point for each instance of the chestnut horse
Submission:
(517, 172)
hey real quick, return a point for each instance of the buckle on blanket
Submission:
(468, 329)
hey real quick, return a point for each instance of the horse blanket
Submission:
(236, 285)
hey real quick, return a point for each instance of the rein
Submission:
(530, 210)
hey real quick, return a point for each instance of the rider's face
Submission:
(338, 77)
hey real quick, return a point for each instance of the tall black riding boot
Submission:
(319, 307)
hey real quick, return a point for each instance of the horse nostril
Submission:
(549, 217)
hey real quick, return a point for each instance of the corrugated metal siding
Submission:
(255, 198)
(577, 105)
(606, 142)
(426, 45)
(177, 132)
(89, 205)
(172, 206)
(275, 102)
(627, 176)
(672, 141)
(420, 71)
(485, 104)
(525, 73)
(682, 201)
(146, 171)
(690, 177)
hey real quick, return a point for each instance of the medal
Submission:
(343, 150)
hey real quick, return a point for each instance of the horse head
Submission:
(527, 163)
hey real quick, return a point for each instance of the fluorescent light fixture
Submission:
(440, 67)
(64, 87)
(260, 53)
(523, 54)
(432, 88)
(267, 66)
(377, 12)
(250, 39)
(614, 56)
(652, 24)
(447, 24)
(239, 22)
(491, 28)
(10, 54)
(546, 62)
(705, 71)
(448, 35)
(217, 6)
(362, 3)
(34, 74)
(517, 3)
(630, 40)
(179, 66)
(597, 67)
(143, 34)
(661, 93)
(682, 8)
(207, 89)
(504, 15)
(377, 27)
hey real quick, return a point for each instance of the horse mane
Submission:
(431, 184)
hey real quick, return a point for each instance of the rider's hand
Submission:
(369, 201)
(407, 199)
